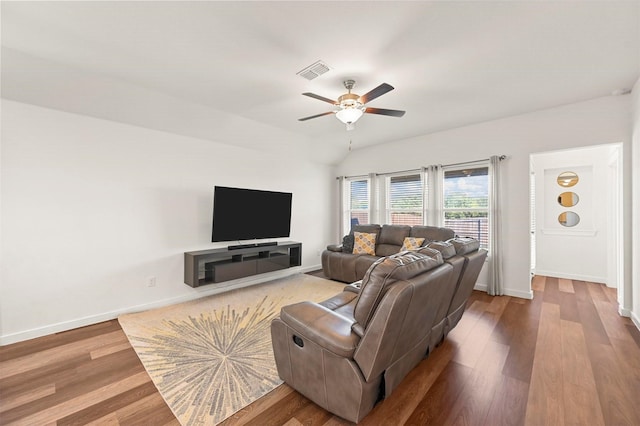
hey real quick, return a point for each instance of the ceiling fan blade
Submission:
(320, 98)
(315, 116)
(382, 111)
(378, 91)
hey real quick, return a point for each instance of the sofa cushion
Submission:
(465, 245)
(447, 249)
(391, 239)
(394, 234)
(339, 299)
(363, 263)
(432, 253)
(383, 250)
(411, 243)
(369, 229)
(364, 243)
(386, 271)
(341, 266)
(432, 233)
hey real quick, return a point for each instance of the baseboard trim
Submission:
(198, 293)
(312, 268)
(507, 291)
(635, 320)
(577, 277)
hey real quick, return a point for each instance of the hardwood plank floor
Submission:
(565, 357)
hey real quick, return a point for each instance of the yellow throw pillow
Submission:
(411, 243)
(364, 243)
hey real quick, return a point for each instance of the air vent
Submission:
(314, 70)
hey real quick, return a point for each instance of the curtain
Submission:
(434, 194)
(425, 194)
(495, 286)
(374, 197)
(341, 208)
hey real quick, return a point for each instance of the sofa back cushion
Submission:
(369, 229)
(446, 248)
(391, 239)
(394, 234)
(465, 245)
(432, 233)
(397, 335)
(383, 250)
(432, 253)
(386, 271)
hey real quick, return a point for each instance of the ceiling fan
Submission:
(351, 106)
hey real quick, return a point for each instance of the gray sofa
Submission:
(351, 350)
(338, 263)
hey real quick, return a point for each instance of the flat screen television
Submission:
(248, 214)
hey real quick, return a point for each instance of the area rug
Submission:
(211, 357)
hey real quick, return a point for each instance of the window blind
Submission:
(405, 200)
(359, 201)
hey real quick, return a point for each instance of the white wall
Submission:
(595, 122)
(578, 252)
(635, 310)
(92, 208)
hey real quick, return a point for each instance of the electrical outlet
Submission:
(151, 282)
(318, 253)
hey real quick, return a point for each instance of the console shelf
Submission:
(218, 265)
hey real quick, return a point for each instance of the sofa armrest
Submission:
(321, 326)
(335, 247)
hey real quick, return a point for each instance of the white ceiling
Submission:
(226, 71)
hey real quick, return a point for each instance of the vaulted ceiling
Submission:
(226, 71)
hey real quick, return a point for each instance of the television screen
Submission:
(247, 214)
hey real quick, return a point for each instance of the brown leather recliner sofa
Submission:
(340, 264)
(349, 351)
(463, 253)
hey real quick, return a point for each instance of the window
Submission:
(455, 197)
(357, 202)
(466, 202)
(404, 200)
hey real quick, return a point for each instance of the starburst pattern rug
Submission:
(211, 357)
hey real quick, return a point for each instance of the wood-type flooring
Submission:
(564, 358)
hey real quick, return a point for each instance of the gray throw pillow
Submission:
(347, 243)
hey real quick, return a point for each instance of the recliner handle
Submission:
(298, 341)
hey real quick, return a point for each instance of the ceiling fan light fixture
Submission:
(349, 115)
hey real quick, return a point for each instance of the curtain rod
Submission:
(501, 157)
(399, 171)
